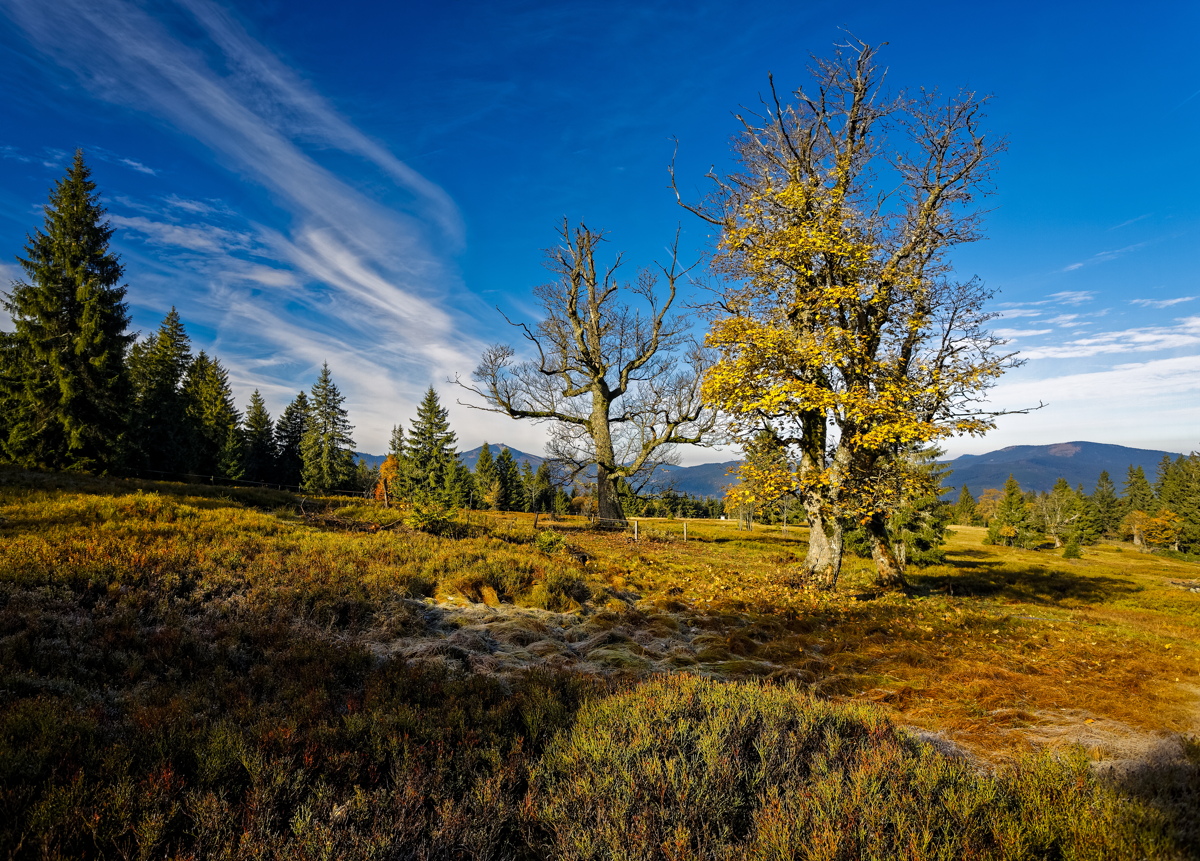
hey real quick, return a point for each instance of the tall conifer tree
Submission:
(326, 451)
(510, 477)
(488, 486)
(964, 509)
(215, 422)
(159, 438)
(1012, 525)
(1139, 495)
(260, 441)
(289, 437)
(67, 393)
(1103, 511)
(429, 452)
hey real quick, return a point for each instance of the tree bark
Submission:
(889, 573)
(608, 506)
(823, 562)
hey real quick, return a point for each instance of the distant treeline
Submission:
(1163, 516)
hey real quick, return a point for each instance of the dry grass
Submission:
(265, 654)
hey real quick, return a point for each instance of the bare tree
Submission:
(616, 377)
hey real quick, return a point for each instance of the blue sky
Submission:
(362, 183)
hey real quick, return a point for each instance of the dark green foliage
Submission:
(365, 476)
(289, 437)
(1139, 495)
(160, 433)
(216, 438)
(259, 435)
(1104, 510)
(427, 469)
(964, 508)
(65, 389)
(1178, 488)
(509, 474)
(460, 485)
(396, 444)
(916, 526)
(1013, 524)
(488, 486)
(540, 489)
(327, 448)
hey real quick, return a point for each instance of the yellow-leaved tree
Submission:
(842, 327)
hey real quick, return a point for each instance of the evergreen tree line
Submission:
(1164, 515)
(79, 392)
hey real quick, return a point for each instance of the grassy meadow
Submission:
(207, 672)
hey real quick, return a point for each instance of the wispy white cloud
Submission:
(198, 207)
(1161, 303)
(1020, 333)
(1130, 221)
(1185, 333)
(1105, 256)
(1069, 297)
(138, 166)
(1018, 311)
(14, 154)
(194, 237)
(371, 270)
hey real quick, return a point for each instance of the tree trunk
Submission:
(889, 573)
(608, 506)
(823, 562)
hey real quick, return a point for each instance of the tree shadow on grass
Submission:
(1036, 584)
(1168, 782)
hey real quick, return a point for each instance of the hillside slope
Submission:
(1037, 467)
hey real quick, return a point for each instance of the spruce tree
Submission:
(510, 478)
(488, 486)
(429, 455)
(216, 437)
(159, 430)
(1179, 493)
(326, 451)
(541, 489)
(1139, 495)
(396, 444)
(1012, 525)
(460, 485)
(1104, 507)
(259, 436)
(289, 437)
(65, 390)
(964, 508)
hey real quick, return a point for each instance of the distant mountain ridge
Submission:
(1035, 467)
(1038, 467)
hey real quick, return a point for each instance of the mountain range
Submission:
(1035, 467)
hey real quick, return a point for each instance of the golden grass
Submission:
(173, 604)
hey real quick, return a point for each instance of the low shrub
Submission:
(690, 768)
(549, 542)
